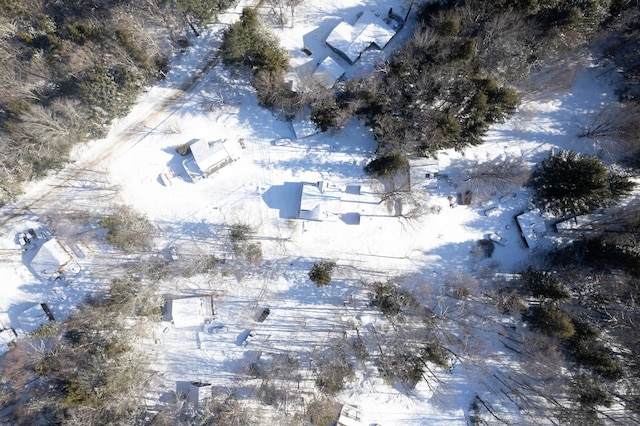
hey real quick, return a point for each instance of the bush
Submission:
(387, 165)
(484, 248)
(590, 393)
(127, 230)
(183, 149)
(550, 321)
(448, 27)
(389, 299)
(321, 272)
(324, 114)
(545, 285)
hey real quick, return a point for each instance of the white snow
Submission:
(261, 189)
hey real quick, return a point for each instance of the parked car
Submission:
(264, 314)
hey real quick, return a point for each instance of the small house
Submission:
(369, 31)
(532, 227)
(54, 259)
(210, 156)
(189, 311)
(319, 202)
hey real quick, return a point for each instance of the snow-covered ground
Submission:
(367, 238)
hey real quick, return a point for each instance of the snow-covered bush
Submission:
(321, 272)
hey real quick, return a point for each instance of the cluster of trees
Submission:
(86, 369)
(453, 78)
(249, 43)
(67, 69)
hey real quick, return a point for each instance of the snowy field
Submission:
(369, 239)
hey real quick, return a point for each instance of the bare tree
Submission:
(496, 176)
(613, 128)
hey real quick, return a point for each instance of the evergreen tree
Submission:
(570, 183)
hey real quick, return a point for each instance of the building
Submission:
(319, 202)
(195, 393)
(369, 31)
(532, 227)
(210, 156)
(350, 415)
(328, 72)
(54, 260)
(189, 311)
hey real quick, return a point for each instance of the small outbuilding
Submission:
(210, 156)
(54, 259)
(195, 393)
(189, 311)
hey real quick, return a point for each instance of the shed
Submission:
(189, 311)
(196, 393)
(318, 202)
(369, 30)
(211, 156)
(328, 72)
(532, 227)
(350, 415)
(53, 259)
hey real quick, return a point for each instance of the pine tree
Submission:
(570, 183)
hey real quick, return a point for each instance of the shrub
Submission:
(324, 113)
(545, 285)
(183, 149)
(590, 393)
(484, 248)
(81, 32)
(321, 272)
(387, 165)
(448, 27)
(550, 320)
(389, 299)
(127, 230)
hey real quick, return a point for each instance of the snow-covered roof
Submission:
(212, 155)
(303, 127)
(532, 227)
(54, 257)
(316, 203)
(328, 72)
(350, 415)
(190, 311)
(196, 393)
(351, 40)
(32, 318)
(7, 336)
